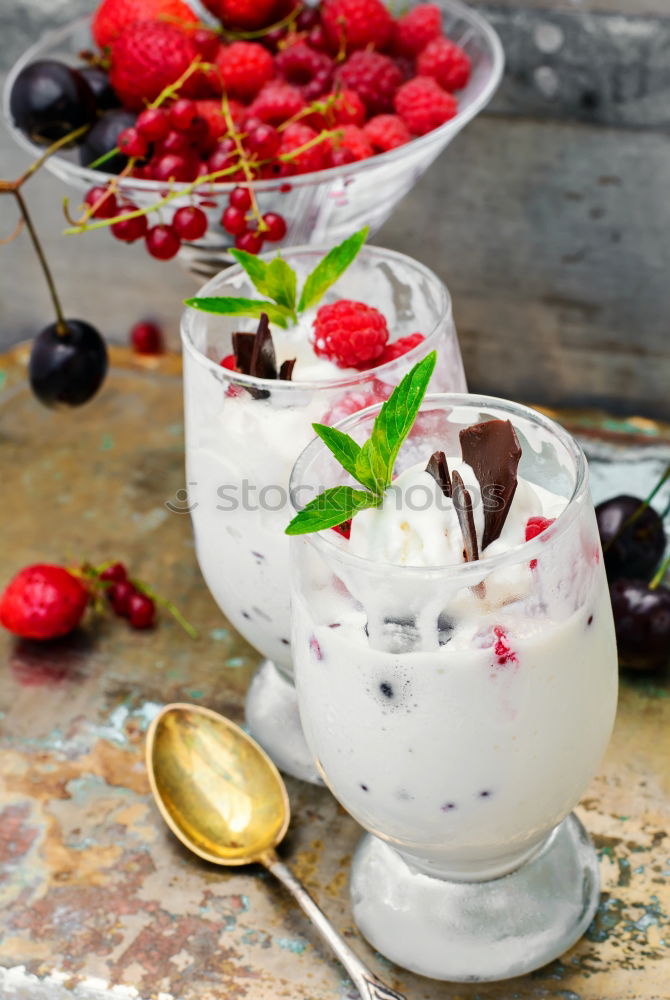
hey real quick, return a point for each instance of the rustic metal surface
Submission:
(97, 899)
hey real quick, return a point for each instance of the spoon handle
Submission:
(367, 984)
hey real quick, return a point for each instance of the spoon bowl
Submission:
(225, 800)
(217, 790)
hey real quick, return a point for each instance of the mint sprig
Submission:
(370, 464)
(278, 281)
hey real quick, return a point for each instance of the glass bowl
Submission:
(323, 207)
(243, 435)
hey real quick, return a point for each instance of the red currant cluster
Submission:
(248, 234)
(126, 600)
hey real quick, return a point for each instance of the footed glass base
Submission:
(274, 722)
(477, 931)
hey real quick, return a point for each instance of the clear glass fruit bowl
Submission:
(323, 207)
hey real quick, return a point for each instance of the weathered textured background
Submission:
(548, 217)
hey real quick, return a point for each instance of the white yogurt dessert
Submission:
(458, 707)
(244, 433)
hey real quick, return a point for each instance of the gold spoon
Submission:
(222, 796)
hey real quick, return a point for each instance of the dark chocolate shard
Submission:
(466, 519)
(439, 470)
(286, 370)
(243, 347)
(492, 451)
(263, 358)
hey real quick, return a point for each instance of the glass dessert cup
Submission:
(461, 758)
(241, 446)
(321, 207)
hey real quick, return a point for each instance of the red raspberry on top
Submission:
(316, 157)
(245, 67)
(356, 24)
(423, 105)
(247, 15)
(536, 525)
(415, 29)
(349, 333)
(351, 145)
(112, 16)
(277, 102)
(387, 132)
(147, 57)
(374, 77)
(446, 62)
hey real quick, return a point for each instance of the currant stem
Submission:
(191, 632)
(658, 577)
(61, 326)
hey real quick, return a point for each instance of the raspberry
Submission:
(245, 14)
(374, 77)
(356, 24)
(245, 67)
(534, 527)
(113, 16)
(147, 57)
(400, 347)
(277, 102)
(502, 648)
(306, 68)
(446, 62)
(354, 143)
(343, 529)
(316, 157)
(423, 105)
(415, 29)
(356, 400)
(349, 333)
(387, 132)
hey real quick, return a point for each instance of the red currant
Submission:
(119, 595)
(220, 160)
(240, 197)
(174, 142)
(250, 241)
(107, 208)
(206, 42)
(228, 362)
(276, 227)
(129, 230)
(141, 611)
(153, 124)
(264, 141)
(132, 143)
(162, 242)
(114, 573)
(147, 338)
(173, 167)
(182, 114)
(234, 220)
(189, 222)
(317, 39)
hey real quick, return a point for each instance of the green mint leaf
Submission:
(343, 447)
(328, 270)
(273, 278)
(281, 283)
(330, 508)
(226, 306)
(377, 457)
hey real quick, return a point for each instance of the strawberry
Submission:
(112, 16)
(147, 57)
(247, 15)
(43, 602)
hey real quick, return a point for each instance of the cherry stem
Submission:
(658, 578)
(639, 511)
(61, 325)
(191, 632)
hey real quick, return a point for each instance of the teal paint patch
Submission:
(196, 694)
(219, 633)
(3, 379)
(645, 686)
(106, 442)
(235, 662)
(175, 429)
(294, 945)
